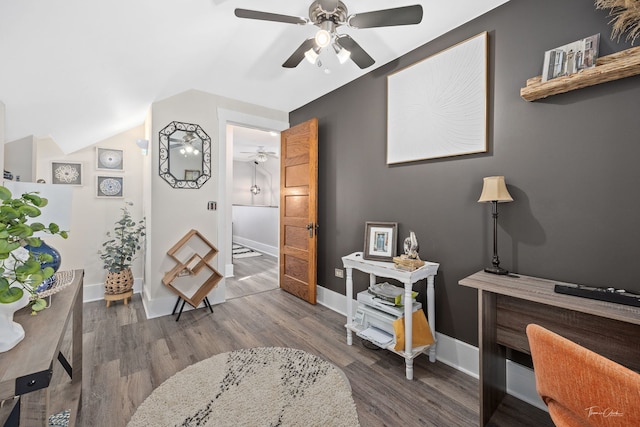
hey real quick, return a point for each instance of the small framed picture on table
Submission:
(380, 240)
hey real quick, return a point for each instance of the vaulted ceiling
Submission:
(84, 70)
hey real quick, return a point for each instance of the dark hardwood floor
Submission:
(126, 356)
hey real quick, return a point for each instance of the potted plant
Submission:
(119, 251)
(21, 270)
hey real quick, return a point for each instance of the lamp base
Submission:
(497, 270)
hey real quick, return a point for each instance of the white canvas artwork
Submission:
(438, 106)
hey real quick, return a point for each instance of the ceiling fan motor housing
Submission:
(318, 15)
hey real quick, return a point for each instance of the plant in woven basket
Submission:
(118, 253)
(20, 269)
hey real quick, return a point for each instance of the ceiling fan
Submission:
(187, 144)
(260, 155)
(328, 16)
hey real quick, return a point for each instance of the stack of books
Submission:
(402, 262)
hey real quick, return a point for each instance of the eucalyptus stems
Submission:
(125, 240)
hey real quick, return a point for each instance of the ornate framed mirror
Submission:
(185, 155)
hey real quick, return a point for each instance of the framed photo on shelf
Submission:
(110, 159)
(570, 58)
(68, 173)
(380, 240)
(110, 186)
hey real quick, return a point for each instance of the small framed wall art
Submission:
(110, 186)
(110, 159)
(69, 173)
(380, 240)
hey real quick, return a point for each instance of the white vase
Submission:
(11, 333)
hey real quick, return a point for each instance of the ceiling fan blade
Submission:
(406, 15)
(298, 55)
(358, 54)
(266, 16)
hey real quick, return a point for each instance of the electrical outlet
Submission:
(339, 273)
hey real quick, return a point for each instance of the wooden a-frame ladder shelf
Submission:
(193, 277)
(612, 67)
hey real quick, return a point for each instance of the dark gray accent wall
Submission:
(571, 163)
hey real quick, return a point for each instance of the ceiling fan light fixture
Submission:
(188, 148)
(323, 37)
(312, 55)
(342, 53)
(261, 157)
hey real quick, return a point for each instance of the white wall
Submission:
(267, 178)
(2, 132)
(256, 227)
(175, 211)
(20, 158)
(92, 217)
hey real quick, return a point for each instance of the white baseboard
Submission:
(163, 306)
(464, 357)
(257, 246)
(228, 270)
(157, 307)
(95, 291)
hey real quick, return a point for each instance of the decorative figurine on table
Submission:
(411, 246)
(410, 260)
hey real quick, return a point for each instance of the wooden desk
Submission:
(26, 369)
(507, 304)
(408, 278)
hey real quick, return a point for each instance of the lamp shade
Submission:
(495, 190)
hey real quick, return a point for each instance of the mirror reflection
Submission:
(185, 155)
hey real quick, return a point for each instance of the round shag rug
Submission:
(268, 386)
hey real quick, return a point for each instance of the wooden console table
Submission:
(507, 304)
(26, 369)
(408, 278)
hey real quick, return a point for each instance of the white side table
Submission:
(388, 270)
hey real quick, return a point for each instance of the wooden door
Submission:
(299, 210)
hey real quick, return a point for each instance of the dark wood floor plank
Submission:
(126, 356)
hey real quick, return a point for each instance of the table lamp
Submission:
(494, 190)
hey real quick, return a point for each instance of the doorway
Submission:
(254, 212)
(226, 119)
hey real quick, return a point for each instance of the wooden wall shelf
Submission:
(612, 67)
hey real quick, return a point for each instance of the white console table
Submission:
(408, 278)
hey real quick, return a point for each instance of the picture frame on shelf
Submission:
(111, 187)
(380, 240)
(110, 159)
(571, 58)
(426, 100)
(66, 173)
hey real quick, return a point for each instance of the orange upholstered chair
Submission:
(582, 388)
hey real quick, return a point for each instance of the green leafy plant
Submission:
(119, 251)
(20, 269)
